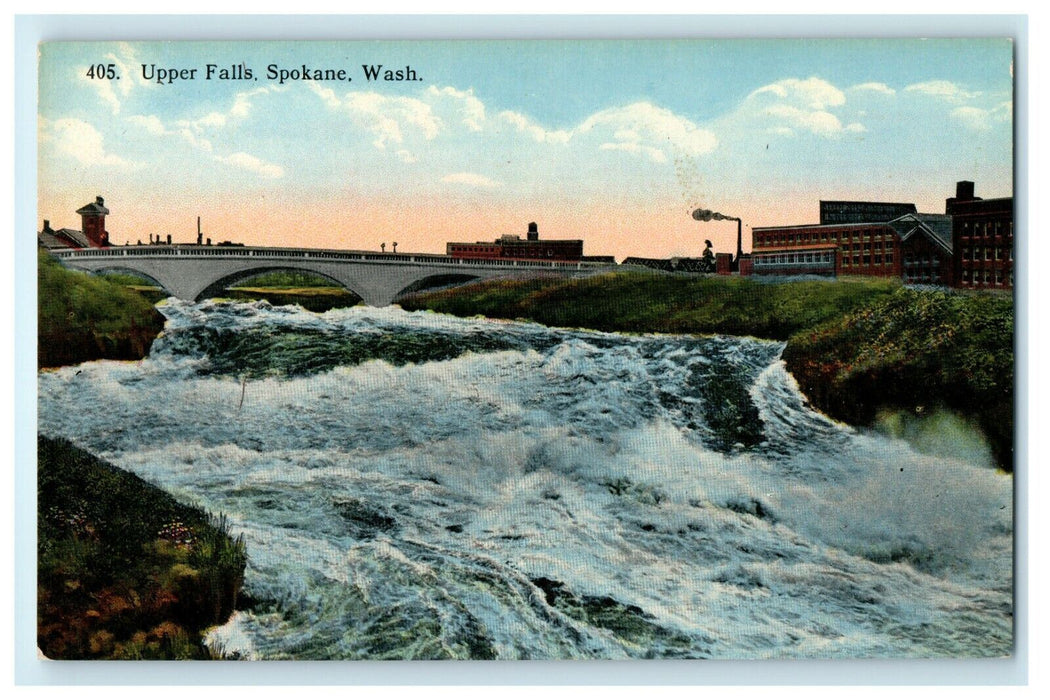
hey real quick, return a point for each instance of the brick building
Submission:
(511, 246)
(983, 238)
(92, 233)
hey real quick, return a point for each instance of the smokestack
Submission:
(739, 242)
(534, 232)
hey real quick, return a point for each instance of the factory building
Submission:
(969, 245)
(512, 246)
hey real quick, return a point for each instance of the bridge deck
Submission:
(315, 254)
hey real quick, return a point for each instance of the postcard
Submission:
(526, 349)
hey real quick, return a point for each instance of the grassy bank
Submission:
(123, 570)
(861, 349)
(293, 287)
(655, 303)
(83, 317)
(919, 352)
(316, 299)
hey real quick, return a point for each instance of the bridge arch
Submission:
(219, 286)
(128, 270)
(438, 280)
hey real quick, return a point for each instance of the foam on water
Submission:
(513, 491)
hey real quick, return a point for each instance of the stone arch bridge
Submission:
(193, 272)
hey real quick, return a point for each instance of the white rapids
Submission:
(411, 485)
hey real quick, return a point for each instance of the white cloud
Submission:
(113, 91)
(643, 123)
(240, 109)
(195, 140)
(880, 88)
(641, 129)
(818, 122)
(211, 120)
(387, 117)
(942, 89)
(654, 154)
(1004, 112)
(811, 93)
(972, 118)
(977, 119)
(471, 179)
(327, 95)
(192, 133)
(80, 141)
(252, 164)
(470, 108)
(793, 105)
(537, 133)
(151, 123)
(242, 101)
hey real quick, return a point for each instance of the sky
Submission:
(613, 142)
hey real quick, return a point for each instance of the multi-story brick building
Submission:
(983, 239)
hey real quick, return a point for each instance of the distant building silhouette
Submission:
(511, 246)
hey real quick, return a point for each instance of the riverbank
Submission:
(124, 571)
(865, 351)
(83, 317)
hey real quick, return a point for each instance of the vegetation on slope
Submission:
(83, 317)
(658, 303)
(124, 571)
(919, 350)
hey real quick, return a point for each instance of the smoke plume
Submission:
(708, 215)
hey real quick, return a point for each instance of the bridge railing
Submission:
(243, 252)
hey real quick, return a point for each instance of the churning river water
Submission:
(412, 485)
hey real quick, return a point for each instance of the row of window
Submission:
(911, 260)
(863, 236)
(817, 258)
(475, 249)
(988, 228)
(865, 260)
(992, 253)
(920, 276)
(988, 278)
